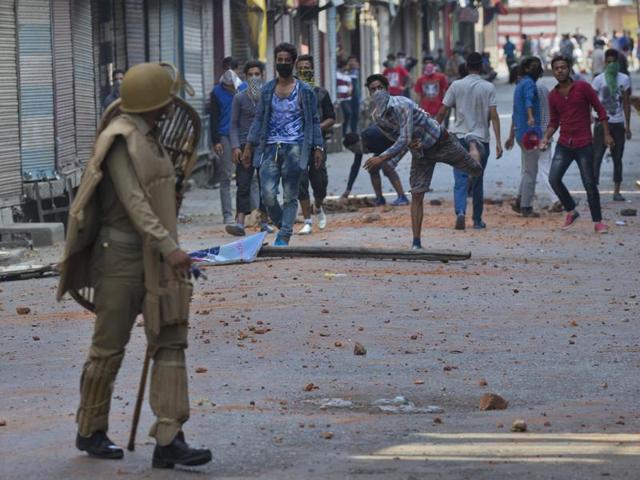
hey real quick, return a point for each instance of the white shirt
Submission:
(612, 103)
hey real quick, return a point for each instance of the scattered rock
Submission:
(418, 382)
(358, 349)
(605, 385)
(309, 387)
(482, 382)
(435, 202)
(371, 217)
(547, 423)
(333, 403)
(493, 201)
(36, 338)
(3, 423)
(23, 310)
(201, 370)
(628, 212)
(337, 344)
(519, 426)
(492, 401)
(437, 420)
(327, 435)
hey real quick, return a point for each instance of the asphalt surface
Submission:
(546, 318)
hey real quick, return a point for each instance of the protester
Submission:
(431, 87)
(526, 121)
(429, 142)
(597, 58)
(614, 89)
(284, 133)
(344, 90)
(116, 77)
(475, 103)
(230, 63)
(353, 67)
(397, 75)
(570, 105)
(243, 111)
(525, 47)
(441, 61)
(374, 140)
(509, 50)
(220, 104)
(316, 175)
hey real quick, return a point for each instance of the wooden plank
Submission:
(371, 253)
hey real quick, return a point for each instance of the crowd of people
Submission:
(273, 133)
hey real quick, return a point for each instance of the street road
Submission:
(546, 318)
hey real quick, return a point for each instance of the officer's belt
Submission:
(115, 235)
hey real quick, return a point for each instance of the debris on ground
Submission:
(310, 387)
(492, 401)
(435, 202)
(401, 404)
(333, 403)
(348, 205)
(519, 426)
(371, 217)
(358, 349)
(201, 370)
(327, 435)
(628, 212)
(23, 310)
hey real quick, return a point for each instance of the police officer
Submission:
(122, 240)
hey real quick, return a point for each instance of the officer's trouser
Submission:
(119, 274)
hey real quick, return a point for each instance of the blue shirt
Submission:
(525, 96)
(509, 50)
(225, 99)
(286, 121)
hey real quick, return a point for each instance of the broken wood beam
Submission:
(363, 253)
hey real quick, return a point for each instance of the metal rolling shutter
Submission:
(192, 52)
(118, 36)
(135, 26)
(37, 144)
(153, 32)
(10, 174)
(207, 45)
(63, 84)
(84, 78)
(169, 31)
(240, 46)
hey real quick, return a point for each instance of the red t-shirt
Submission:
(573, 113)
(431, 89)
(396, 77)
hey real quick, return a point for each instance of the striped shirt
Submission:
(344, 86)
(407, 122)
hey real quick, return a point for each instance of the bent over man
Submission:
(122, 240)
(428, 141)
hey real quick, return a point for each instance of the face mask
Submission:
(611, 77)
(380, 101)
(117, 83)
(254, 85)
(429, 69)
(307, 77)
(284, 69)
(391, 63)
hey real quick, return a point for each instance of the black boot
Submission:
(99, 445)
(179, 453)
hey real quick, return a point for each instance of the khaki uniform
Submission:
(121, 227)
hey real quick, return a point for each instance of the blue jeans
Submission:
(281, 161)
(562, 159)
(461, 182)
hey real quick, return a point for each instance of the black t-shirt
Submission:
(325, 107)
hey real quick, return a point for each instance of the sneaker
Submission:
(265, 227)
(570, 219)
(416, 245)
(380, 201)
(515, 206)
(618, 198)
(281, 241)
(229, 220)
(460, 222)
(400, 201)
(236, 230)
(322, 219)
(179, 453)
(479, 224)
(600, 227)
(98, 445)
(306, 229)
(528, 212)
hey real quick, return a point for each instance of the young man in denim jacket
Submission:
(285, 131)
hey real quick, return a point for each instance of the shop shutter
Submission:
(118, 38)
(37, 146)
(207, 46)
(240, 46)
(63, 85)
(169, 31)
(153, 32)
(135, 26)
(84, 78)
(192, 51)
(10, 172)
